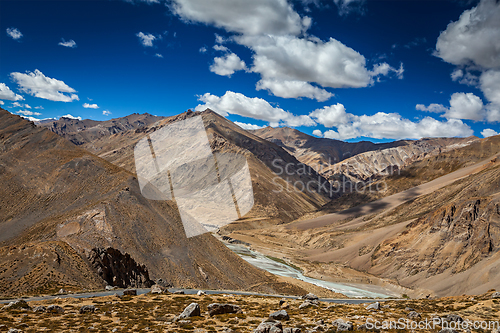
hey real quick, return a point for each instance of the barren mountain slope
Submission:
(86, 130)
(360, 161)
(275, 200)
(58, 202)
(455, 156)
(318, 152)
(378, 163)
(454, 248)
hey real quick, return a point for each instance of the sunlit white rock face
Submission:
(384, 162)
(176, 163)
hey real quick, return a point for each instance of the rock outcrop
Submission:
(119, 269)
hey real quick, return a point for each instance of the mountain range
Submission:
(70, 206)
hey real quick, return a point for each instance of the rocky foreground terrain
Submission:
(160, 312)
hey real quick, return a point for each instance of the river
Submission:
(277, 268)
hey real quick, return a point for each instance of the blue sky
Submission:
(343, 69)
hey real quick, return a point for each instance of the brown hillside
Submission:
(286, 202)
(53, 191)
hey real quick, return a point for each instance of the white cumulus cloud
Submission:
(392, 126)
(293, 89)
(221, 48)
(227, 65)
(330, 64)
(256, 108)
(317, 132)
(488, 132)
(434, 108)
(490, 85)
(473, 39)
(247, 126)
(472, 44)
(146, 39)
(106, 113)
(6, 93)
(14, 33)
(287, 63)
(38, 85)
(331, 116)
(385, 69)
(290, 62)
(254, 17)
(70, 43)
(462, 106)
(465, 106)
(71, 117)
(28, 113)
(90, 106)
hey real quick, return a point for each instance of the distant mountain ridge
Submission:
(357, 161)
(83, 131)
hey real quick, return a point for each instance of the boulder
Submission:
(373, 306)
(164, 284)
(108, 287)
(342, 325)
(279, 315)
(55, 309)
(495, 295)
(40, 308)
(307, 304)
(17, 305)
(156, 289)
(217, 308)
(130, 292)
(192, 310)
(87, 309)
(269, 326)
(179, 292)
(201, 293)
(310, 297)
(62, 291)
(414, 315)
(454, 318)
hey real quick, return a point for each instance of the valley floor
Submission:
(156, 313)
